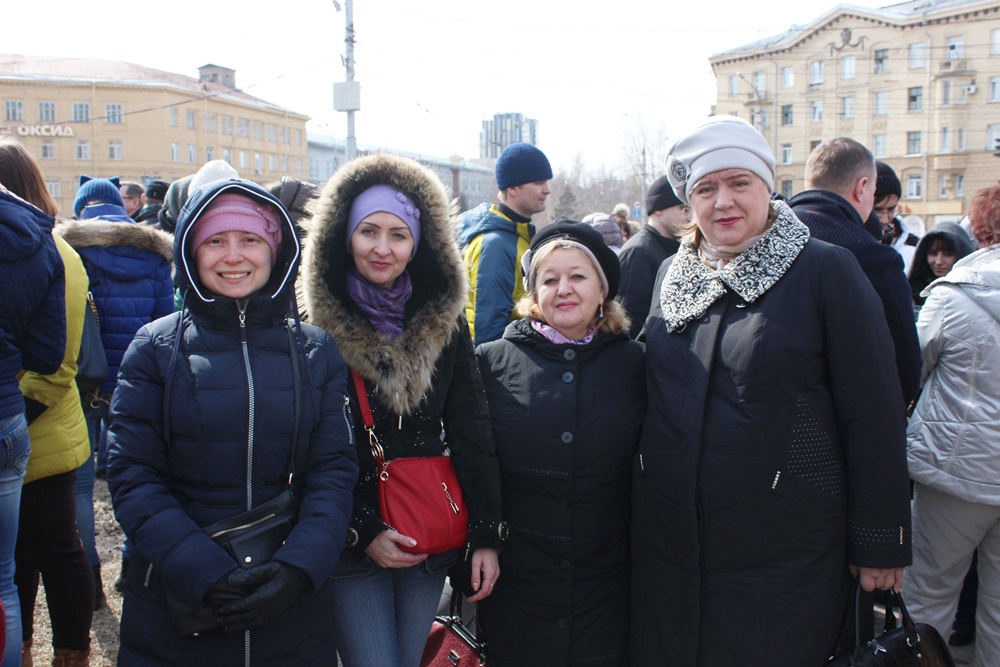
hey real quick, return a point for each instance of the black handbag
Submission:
(452, 644)
(91, 362)
(907, 645)
(252, 537)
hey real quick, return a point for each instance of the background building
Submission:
(506, 129)
(917, 82)
(108, 118)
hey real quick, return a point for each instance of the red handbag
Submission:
(451, 644)
(419, 496)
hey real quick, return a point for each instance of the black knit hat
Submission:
(886, 182)
(586, 236)
(661, 196)
(521, 163)
(157, 190)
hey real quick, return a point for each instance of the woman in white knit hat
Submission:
(769, 472)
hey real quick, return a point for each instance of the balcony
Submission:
(951, 161)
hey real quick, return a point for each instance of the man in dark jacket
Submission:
(840, 195)
(32, 337)
(155, 192)
(642, 255)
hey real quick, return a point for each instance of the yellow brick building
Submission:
(109, 118)
(917, 82)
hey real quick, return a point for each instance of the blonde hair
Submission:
(615, 318)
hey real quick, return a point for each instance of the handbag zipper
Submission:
(244, 526)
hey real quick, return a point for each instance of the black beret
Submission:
(588, 237)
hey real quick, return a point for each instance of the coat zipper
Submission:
(250, 431)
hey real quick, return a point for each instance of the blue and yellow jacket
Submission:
(492, 245)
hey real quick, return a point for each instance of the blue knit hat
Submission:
(104, 190)
(521, 163)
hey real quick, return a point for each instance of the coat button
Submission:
(567, 437)
(563, 623)
(569, 355)
(567, 377)
(566, 565)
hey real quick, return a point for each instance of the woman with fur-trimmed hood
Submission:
(383, 275)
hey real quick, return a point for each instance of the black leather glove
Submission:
(221, 592)
(273, 587)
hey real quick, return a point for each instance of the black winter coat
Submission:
(567, 420)
(641, 258)
(769, 461)
(831, 218)
(223, 448)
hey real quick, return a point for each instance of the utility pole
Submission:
(347, 95)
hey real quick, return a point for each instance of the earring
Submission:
(600, 312)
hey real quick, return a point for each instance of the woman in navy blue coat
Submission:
(202, 423)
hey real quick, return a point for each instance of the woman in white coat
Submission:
(953, 439)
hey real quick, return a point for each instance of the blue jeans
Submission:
(382, 619)
(13, 464)
(83, 487)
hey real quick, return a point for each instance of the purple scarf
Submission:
(383, 306)
(554, 336)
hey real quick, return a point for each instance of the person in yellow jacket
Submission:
(47, 541)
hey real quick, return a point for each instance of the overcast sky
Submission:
(431, 71)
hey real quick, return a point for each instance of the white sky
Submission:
(431, 71)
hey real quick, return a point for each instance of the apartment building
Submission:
(916, 82)
(110, 118)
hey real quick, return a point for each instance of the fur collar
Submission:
(400, 371)
(690, 286)
(104, 234)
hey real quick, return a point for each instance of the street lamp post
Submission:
(642, 134)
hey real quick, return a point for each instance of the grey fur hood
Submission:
(400, 371)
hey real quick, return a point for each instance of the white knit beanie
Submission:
(723, 142)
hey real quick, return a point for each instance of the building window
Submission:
(209, 153)
(734, 85)
(787, 77)
(113, 114)
(786, 114)
(786, 188)
(115, 149)
(918, 55)
(914, 186)
(227, 125)
(48, 150)
(942, 186)
(995, 89)
(915, 98)
(175, 152)
(272, 133)
(847, 107)
(54, 189)
(959, 185)
(258, 130)
(227, 156)
(816, 70)
(786, 153)
(298, 136)
(258, 163)
(190, 119)
(763, 117)
(298, 165)
(881, 61)
(995, 42)
(879, 145)
(284, 164)
(992, 135)
(913, 143)
(14, 111)
(847, 67)
(192, 154)
(286, 133)
(816, 110)
(243, 159)
(46, 112)
(945, 140)
(945, 92)
(760, 82)
(81, 112)
(955, 49)
(881, 103)
(272, 163)
(210, 123)
(242, 127)
(960, 139)
(173, 117)
(83, 150)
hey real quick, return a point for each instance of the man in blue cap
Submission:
(493, 238)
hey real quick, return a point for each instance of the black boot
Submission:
(120, 579)
(99, 599)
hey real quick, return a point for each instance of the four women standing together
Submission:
(766, 473)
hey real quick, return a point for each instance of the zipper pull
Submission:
(242, 307)
(454, 506)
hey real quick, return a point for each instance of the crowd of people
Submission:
(680, 443)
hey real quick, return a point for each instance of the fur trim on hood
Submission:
(400, 371)
(104, 234)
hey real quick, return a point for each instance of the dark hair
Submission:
(984, 216)
(947, 237)
(886, 182)
(20, 174)
(133, 190)
(836, 164)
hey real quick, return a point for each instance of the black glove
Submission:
(221, 592)
(273, 587)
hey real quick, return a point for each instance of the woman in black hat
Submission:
(566, 388)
